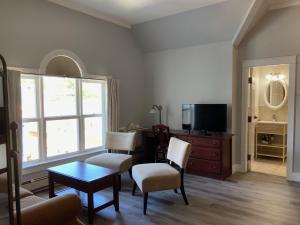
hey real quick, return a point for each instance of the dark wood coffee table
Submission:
(84, 180)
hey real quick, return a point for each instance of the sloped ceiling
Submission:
(129, 12)
(215, 23)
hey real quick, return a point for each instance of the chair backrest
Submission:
(162, 134)
(121, 141)
(179, 152)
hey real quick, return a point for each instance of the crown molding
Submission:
(90, 12)
(284, 4)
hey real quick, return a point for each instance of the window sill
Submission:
(44, 165)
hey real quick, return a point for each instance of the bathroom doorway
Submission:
(268, 119)
(268, 116)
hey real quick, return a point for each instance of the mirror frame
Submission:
(285, 97)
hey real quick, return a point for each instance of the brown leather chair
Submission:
(162, 138)
(61, 210)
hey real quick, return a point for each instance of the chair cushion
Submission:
(155, 177)
(24, 193)
(31, 200)
(115, 161)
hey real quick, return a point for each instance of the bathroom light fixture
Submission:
(274, 77)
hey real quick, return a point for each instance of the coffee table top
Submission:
(82, 171)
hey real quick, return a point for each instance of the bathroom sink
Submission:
(274, 122)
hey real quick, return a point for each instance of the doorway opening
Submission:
(268, 119)
(268, 114)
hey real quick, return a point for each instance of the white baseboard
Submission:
(294, 177)
(236, 168)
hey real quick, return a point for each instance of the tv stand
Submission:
(211, 154)
(206, 133)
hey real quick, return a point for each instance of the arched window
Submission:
(63, 112)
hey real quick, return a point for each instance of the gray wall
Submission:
(277, 34)
(214, 23)
(30, 29)
(198, 74)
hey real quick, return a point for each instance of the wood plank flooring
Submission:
(244, 199)
(269, 166)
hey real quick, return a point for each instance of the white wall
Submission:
(198, 74)
(277, 34)
(30, 29)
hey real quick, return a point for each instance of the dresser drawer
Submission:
(205, 142)
(206, 153)
(203, 166)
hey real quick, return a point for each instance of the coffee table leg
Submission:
(51, 186)
(116, 192)
(91, 207)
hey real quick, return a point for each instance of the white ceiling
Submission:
(129, 12)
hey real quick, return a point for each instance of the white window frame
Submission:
(41, 120)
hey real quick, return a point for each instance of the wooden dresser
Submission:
(211, 155)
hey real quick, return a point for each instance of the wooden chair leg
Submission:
(130, 172)
(175, 190)
(145, 202)
(120, 182)
(134, 188)
(184, 195)
(182, 187)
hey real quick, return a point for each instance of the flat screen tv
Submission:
(204, 117)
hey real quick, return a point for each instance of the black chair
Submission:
(162, 138)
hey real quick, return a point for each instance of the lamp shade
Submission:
(153, 111)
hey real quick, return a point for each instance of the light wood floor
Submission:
(253, 198)
(269, 166)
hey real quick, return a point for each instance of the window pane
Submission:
(93, 132)
(30, 141)
(59, 96)
(92, 98)
(62, 137)
(28, 92)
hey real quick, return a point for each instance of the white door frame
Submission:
(291, 61)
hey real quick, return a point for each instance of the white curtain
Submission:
(113, 100)
(15, 108)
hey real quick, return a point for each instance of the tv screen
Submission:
(204, 117)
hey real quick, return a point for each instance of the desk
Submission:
(211, 156)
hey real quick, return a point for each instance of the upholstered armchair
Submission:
(153, 177)
(61, 210)
(116, 142)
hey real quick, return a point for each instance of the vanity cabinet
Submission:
(271, 140)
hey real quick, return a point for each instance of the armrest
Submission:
(58, 210)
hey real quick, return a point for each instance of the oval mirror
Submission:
(276, 94)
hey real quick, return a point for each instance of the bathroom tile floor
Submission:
(269, 166)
